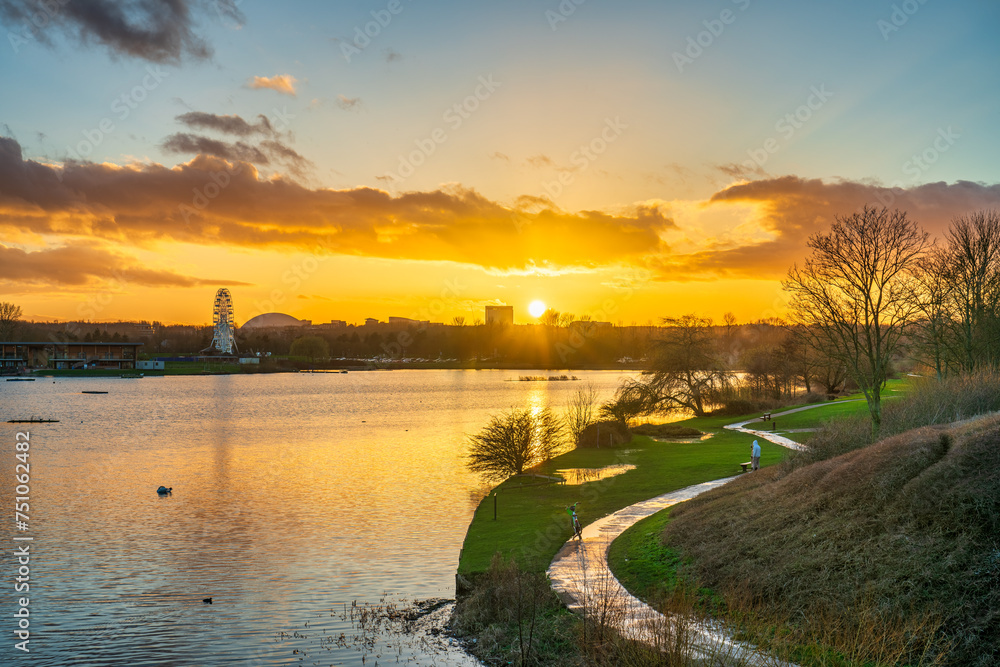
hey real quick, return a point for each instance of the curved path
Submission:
(580, 575)
(774, 437)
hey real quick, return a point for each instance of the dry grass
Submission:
(928, 402)
(615, 632)
(515, 618)
(885, 555)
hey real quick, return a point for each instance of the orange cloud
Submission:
(86, 265)
(794, 208)
(211, 201)
(283, 83)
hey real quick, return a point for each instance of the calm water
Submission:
(295, 495)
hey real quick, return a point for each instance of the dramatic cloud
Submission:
(83, 265)
(156, 30)
(792, 208)
(211, 201)
(753, 229)
(235, 125)
(192, 144)
(283, 83)
(268, 152)
(286, 155)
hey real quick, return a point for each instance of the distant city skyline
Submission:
(624, 161)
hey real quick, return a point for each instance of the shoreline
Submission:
(319, 368)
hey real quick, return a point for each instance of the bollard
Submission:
(494, 505)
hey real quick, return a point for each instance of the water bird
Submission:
(164, 490)
(207, 600)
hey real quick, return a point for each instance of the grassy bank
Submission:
(885, 554)
(532, 523)
(506, 608)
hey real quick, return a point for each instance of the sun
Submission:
(536, 308)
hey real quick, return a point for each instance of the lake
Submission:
(305, 505)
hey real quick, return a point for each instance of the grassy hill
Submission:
(888, 554)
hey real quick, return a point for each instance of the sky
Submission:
(625, 160)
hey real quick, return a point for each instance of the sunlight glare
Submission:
(536, 308)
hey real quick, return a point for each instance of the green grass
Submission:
(820, 413)
(642, 562)
(815, 416)
(532, 523)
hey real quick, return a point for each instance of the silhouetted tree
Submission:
(581, 411)
(513, 442)
(973, 273)
(632, 399)
(10, 316)
(687, 371)
(310, 346)
(934, 332)
(856, 293)
(549, 318)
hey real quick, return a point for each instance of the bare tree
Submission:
(801, 359)
(514, 441)
(458, 321)
(632, 400)
(10, 315)
(934, 332)
(580, 412)
(687, 372)
(973, 271)
(549, 318)
(856, 293)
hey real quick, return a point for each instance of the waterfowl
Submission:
(164, 490)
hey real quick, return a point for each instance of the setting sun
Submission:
(536, 308)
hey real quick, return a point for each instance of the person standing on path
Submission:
(755, 456)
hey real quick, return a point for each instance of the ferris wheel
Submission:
(222, 320)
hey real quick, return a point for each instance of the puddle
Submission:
(583, 475)
(692, 438)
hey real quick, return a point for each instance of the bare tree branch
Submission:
(857, 292)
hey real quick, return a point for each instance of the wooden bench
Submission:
(746, 465)
(766, 417)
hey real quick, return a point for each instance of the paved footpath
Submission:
(580, 575)
(773, 437)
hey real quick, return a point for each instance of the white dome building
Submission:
(273, 321)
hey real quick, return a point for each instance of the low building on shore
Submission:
(20, 355)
